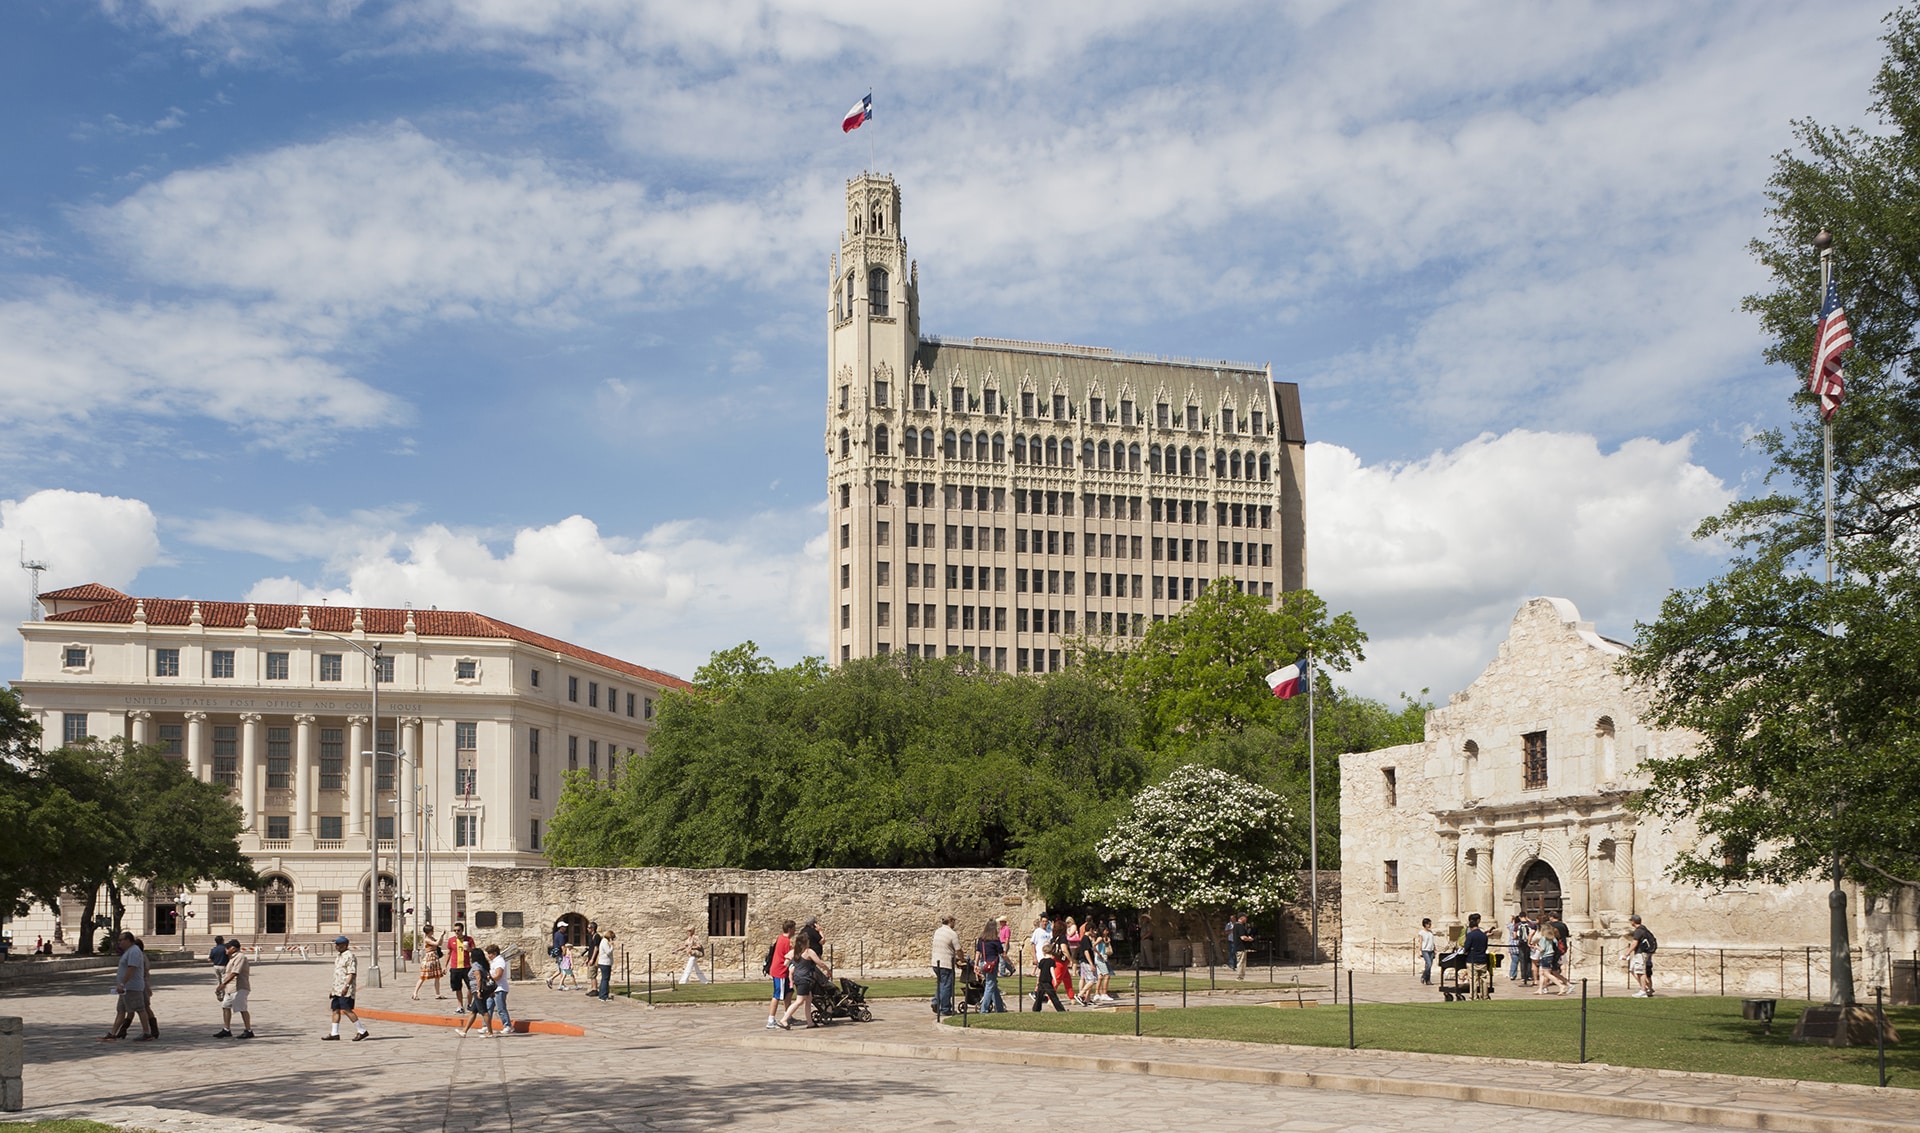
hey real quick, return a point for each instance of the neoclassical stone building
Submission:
(1519, 798)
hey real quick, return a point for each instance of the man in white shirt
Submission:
(346, 983)
(1426, 945)
(497, 972)
(1041, 938)
(236, 980)
(946, 945)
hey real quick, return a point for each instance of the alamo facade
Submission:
(1519, 799)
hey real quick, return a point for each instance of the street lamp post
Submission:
(373, 798)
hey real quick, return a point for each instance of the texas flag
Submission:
(1286, 682)
(862, 112)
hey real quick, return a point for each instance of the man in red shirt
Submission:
(459, 949)
(778, 969)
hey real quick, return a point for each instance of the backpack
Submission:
(1647, 943)
(766, 965)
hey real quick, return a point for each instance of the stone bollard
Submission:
(12, 1055)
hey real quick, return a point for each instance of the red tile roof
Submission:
(115, 608)
(86, 592)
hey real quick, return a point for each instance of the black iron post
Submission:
(649, 980)
(1879, 1031)
(1183, 987)
(1136, 1001)
(1350, 1043)
(1583, 1019)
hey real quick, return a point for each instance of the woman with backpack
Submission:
(480, 984)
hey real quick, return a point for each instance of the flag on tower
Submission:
(1286, 682)
(862, 112)
(1832, 338)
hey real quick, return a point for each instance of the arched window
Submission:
(1133, 458)
(1019, 448)
(1186, 461)
(999, 448)
(1086, 454)
(1219, 462)
(880, 440)
(1266, 466)
(1603, 731)
(1053, 451)
(966, 446)
(980, 446)
(877, 292)
(846, 444)
(910, 442)
(850, 294)
(926, 443)
(1233, 463)
(1106, 455)
(953, 445)
(1153, 457)
(1066, 452)
(1469, 767)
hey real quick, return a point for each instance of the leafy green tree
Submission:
(113, 820)
(1807, 697)
(1202, 841)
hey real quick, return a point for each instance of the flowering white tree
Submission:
(1201, 840)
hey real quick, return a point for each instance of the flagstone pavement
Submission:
(700, 1068)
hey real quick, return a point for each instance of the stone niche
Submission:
(882, 919)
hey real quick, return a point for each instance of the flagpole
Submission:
(1840, 952)
(1313, 820)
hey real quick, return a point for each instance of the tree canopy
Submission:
(1807, 697)
(118, 818)
(1202, 840)
(892, 761)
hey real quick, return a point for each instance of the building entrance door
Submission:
(276, 898)
(166, 918)
(1540, 891)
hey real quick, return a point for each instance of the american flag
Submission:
(1832, 338)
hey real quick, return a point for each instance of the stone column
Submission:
(199, 764)
(1577, 895)
(1490, 912)
(304, 773)
(359, 776)
(1449, 878)
(12, 1060)
(251, 777)
(140, 720)
(1623, 871)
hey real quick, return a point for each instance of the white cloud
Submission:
(389, 220)
(1434, 556)
(666, 599)
(68, 357)
(81, 536)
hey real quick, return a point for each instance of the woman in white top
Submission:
(692, 949)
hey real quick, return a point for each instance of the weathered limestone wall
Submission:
(1464, 827)
(886, 916)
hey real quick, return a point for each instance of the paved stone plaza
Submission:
(715, 1067)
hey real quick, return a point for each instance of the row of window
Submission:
(966, 497)
(927, 615)
(1058, 407)
(645, 704)
(1059, 453)
(279, 666)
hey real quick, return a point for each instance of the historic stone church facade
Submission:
(1519, 799)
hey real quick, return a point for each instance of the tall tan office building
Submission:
(999, 498)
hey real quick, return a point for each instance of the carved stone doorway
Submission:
(1539, 891)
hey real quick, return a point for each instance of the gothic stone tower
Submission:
(1003, 498)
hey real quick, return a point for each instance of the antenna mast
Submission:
(33, 567)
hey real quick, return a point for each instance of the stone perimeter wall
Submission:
(887, 915)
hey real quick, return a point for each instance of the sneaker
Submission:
(223, 1033)
(771, 1025)
(246, 1034)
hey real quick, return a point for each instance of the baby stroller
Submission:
(1456, 977)
(968, 988)
(841, 999)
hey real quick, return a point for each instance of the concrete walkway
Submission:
(712, 1067)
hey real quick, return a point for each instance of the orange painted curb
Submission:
(520, 1026)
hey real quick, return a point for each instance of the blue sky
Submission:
(518, 305)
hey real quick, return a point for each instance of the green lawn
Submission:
(919, 987)
(1703, 1034)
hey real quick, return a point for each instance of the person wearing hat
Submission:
(346, 979)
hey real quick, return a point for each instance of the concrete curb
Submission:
(1723, 1117)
